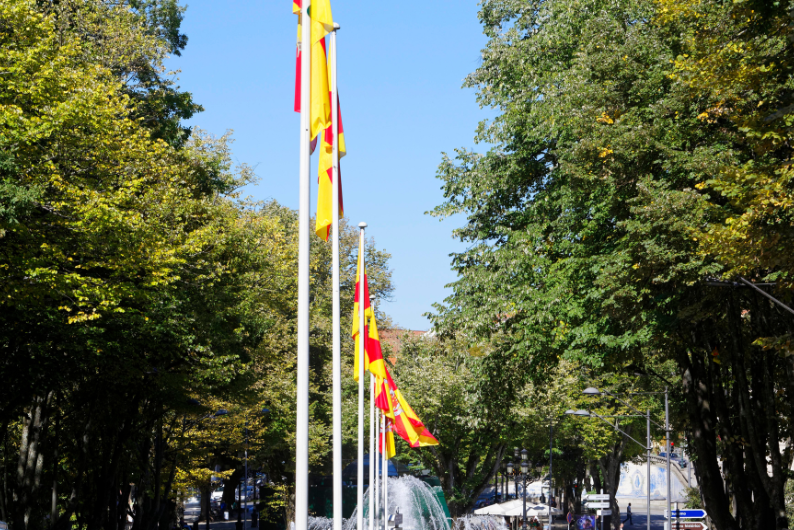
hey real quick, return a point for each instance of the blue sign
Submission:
(687, 514)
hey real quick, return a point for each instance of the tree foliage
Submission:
(635, 160)
(140, 294)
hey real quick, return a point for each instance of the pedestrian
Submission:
(542, 498)
(628, 515)
(553, 503)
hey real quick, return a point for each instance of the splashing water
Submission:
(415, 500)
(322, 523)
(418, 503)
(481, 522)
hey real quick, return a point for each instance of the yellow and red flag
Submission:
(367, 310)
(325, 194)
(388, 438)
(320, 107)
(322, 20)
(297, 106)
(374, 354)
(320, 103)
(405, 421)
(320, 13)
(425, 439)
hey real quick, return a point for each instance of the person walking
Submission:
(628, 515)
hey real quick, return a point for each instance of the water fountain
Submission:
(421, 507)
(481, 522)
(416, 501)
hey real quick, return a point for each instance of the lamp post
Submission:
(551, 466)
(524, 470)
(510, 471)
(221, 412)
(504, 468)
(648, 372)
(591, 391)
(496, 487)
(647, 447)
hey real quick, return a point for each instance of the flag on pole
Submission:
(322, 21)
(387, 437)
(329, 131)
(325, 194)
(373, 352)
(367, 309)
(320, 13)
(297, 59)
(425, 439)
(405, 421)
(320, 108)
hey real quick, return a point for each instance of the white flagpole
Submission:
(373, 460)
(304, 231)
(384, 472)
(337, 349)
(376, 489)
(385, 493)
(361, 359)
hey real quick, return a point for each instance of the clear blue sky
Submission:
(401, 66)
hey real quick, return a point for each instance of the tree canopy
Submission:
(636, 173)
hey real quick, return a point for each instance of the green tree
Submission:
(596, 221)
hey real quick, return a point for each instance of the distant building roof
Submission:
(394, 338)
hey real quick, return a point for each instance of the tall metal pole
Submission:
(667, 448)
(207, 504)
(648, 438)
(376, 455)
(336, 333)
(385, 476)
(373, 460)
(245, 491)
(524, 494)
(551, 464)
(386, 494)
(304, 234)
(361, 359)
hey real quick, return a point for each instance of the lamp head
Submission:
(515, 453)
(509, 468)
(524, 466)
(524, 454)
(591, 391)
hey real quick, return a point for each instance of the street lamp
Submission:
(521, 463)
(524, 471)
(221, 412)
(504, 468)
(496, 485)
(591, 391)
(641, 372)
(647, 447)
